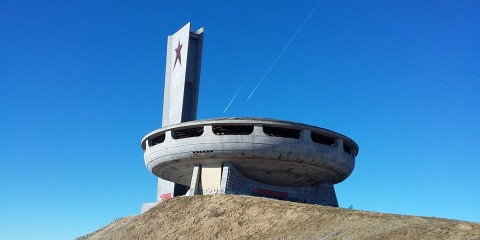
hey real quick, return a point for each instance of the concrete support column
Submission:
(258, 130)
(223, 182)
(208, 130)
(339, 145)
(168, 135)
(194, 185)
(305, 135)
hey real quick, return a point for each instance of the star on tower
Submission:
(178, 56)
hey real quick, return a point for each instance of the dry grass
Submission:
(242, 217)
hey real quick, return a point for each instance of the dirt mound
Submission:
(243, 217)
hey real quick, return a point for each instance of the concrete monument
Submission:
(248, 156)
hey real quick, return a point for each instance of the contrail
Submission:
(276, 60)
(234, 96)
(283, 51)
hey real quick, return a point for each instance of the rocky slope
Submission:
(243, 217)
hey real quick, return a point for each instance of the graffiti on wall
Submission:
(211, 191)
(166, 196)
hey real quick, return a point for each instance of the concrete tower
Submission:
(182, 76)
(182, 81)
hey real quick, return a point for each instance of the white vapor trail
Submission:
(234, 96)
(284, 49)
(276, 60)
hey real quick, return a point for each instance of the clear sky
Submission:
(81, 82)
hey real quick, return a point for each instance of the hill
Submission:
(243, 217)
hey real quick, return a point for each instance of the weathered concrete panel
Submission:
(211, 177)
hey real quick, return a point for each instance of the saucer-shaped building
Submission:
(248, 156)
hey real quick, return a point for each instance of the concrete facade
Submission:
(237, 183)
(211, 177)
(234, 182)
(276, 160)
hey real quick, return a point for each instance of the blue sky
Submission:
(81, 82)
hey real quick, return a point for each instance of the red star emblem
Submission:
(178, 56)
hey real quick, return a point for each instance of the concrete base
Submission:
(166, 190)
(231, 181)
(237, 183)
(226, 179)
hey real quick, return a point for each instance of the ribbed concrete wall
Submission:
(267, 159)
(237, 183)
